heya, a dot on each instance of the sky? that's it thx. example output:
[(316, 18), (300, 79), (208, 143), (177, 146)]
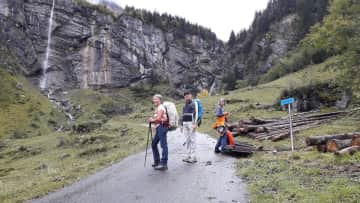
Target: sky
[(221, 16)]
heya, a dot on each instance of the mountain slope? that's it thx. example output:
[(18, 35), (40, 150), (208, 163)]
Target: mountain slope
[(273, 33)]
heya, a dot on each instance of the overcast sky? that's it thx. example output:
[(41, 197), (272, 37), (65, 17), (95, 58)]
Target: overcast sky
[(221, 16)]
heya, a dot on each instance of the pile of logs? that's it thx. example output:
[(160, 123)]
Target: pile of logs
[(347, 143), (240, 148), (278, 129)]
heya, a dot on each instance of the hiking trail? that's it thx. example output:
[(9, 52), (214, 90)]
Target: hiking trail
[(212, 179)]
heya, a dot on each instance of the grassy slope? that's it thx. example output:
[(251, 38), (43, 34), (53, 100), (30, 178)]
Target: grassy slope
[(308, 176), (23, 108), (45, 167), (35, 164), (266, 94)]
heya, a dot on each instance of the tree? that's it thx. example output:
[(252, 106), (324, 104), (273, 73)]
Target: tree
[(232, 39), (340, 35)]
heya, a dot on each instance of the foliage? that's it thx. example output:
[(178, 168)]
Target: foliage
[(314, 95), (180, 27), (232, 39), (340, 34), (229, 80), (295, 61), (99, 7)]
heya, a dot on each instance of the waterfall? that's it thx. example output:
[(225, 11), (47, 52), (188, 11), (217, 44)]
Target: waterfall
[(43, 81), (212, 88)]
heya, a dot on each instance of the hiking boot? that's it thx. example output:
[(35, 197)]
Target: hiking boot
[(154, 165), (187, 160), (217, 151), (161, 167)]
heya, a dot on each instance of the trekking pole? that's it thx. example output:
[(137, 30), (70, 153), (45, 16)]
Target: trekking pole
[(147, 142)]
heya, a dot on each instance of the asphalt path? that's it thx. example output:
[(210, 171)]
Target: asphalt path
[(212, 179)]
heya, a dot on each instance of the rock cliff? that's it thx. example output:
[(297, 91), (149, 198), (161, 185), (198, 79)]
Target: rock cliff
[(93, 47)]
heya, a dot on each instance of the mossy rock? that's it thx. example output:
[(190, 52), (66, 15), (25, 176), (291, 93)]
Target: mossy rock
[(87, 127), (112, 109), (93, 151), (19, 134)]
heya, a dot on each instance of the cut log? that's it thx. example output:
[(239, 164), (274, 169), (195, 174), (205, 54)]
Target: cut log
[(336, 145), (241, 130), (280, 136), (278, 128), (349, 150), (317, 140), (355, 141), (236, 134), (321, 148), (257, 121), (261, 130)]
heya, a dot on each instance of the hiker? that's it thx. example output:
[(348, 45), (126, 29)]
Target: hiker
[(160, 123), (189, 127), (221, 115), (225, 139)]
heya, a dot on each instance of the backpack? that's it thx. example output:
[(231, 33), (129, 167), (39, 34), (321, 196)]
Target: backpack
[(172, 115), (199, 109)]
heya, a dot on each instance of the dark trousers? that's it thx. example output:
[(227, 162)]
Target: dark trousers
[(222, 142), (160, 136)]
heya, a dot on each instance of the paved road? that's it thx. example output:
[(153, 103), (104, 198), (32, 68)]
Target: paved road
[(129, 181)]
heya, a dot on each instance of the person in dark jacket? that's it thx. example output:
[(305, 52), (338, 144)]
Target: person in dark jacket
[(189, 126)]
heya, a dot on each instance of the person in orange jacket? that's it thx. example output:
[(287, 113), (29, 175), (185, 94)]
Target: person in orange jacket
[(221, 115)]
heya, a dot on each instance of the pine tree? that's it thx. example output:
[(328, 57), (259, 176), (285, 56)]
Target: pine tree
[(232, 39)]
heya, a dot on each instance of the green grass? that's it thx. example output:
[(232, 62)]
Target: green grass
[(23, 109), (41, 160), (44, 166)]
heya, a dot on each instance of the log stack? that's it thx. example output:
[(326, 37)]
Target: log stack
[(346, 143), (240, 148), (278, 128)]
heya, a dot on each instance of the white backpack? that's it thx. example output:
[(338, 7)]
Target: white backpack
[(172, 115)]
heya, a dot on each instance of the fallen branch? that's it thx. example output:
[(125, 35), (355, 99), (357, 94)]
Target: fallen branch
[(349, 150)]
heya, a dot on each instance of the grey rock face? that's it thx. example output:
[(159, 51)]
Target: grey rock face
[(266, 50), (92, 49)]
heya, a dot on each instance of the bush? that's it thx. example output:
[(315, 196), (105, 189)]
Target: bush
[(314, 95), (87, 127), (295, 62), (112, 109), (19, 134)]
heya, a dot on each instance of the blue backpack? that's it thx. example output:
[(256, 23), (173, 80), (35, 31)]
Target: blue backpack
[(199, 108)]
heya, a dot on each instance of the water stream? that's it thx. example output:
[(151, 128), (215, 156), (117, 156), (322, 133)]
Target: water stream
[(44, 78), (212, 88)]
